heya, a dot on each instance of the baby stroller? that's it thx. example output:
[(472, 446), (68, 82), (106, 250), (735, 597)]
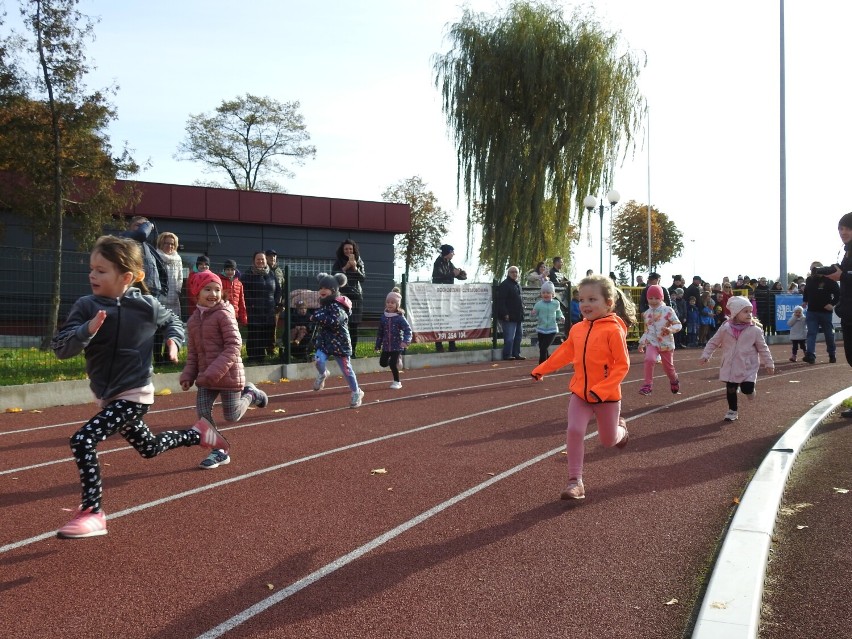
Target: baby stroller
[(302, 329)]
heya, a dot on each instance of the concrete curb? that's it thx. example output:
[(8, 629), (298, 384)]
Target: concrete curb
[(70, 393), (731, 606)]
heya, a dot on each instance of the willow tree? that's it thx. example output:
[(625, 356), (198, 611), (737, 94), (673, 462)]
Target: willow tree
[(539, 108)]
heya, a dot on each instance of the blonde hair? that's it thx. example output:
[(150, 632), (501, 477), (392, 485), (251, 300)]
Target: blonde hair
[(167, 235), (619, 302)]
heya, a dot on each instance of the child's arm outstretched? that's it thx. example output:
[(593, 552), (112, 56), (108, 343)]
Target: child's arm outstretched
[(77, 331), (562, 356)]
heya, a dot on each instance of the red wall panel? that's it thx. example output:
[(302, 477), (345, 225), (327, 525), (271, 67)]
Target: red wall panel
[(255, 207), (286, 209), (344, 214), (156, 200), (316, 211), (188, 202), (371, 215), (223, 205), (397, 218)]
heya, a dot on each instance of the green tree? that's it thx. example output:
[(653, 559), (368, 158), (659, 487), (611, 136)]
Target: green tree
[(539, 108), (53, 148), (630, 237), (428, 222), (246, 138)]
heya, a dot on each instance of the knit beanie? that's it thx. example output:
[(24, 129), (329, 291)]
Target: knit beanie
[(736, 304), (548, 287), (201, 279), (655, 292), (230, 264), (332, 282), (446, 249), (202, 259), (393, 296)]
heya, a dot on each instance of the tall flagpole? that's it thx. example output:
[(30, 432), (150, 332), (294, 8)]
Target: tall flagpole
[(783, 178), (648, 112)]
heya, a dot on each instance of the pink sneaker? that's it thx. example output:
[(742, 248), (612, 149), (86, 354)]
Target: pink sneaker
[(645, 390), (84, 524), (210, 437), (574, 490)]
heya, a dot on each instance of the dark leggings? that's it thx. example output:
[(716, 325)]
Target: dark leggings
[(746, 387), (125, 418), (353, 336), (544, 342), (390, 358)]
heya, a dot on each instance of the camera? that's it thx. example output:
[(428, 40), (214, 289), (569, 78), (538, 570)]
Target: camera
[(825, 270)]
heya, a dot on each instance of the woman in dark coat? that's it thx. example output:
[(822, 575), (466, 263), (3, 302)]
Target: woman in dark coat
[(350, 264), (262, 293)]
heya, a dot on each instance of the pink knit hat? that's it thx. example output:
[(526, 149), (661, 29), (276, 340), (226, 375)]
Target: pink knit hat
[(655, 292), (202, 279)]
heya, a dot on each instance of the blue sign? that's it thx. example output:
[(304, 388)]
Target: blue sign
[(784, 305)]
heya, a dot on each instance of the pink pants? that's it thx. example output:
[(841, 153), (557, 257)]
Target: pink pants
[(580, 413), (667, 359)]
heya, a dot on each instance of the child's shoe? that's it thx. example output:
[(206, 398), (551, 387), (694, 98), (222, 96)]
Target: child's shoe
[(319, 382), (357, 396), (623, 441), (675, 386), (574, 489), (731, 416), (261, 399), (793, 359), (396, 385), (210, 437), (645, 390), (84, 524), (215, 459)]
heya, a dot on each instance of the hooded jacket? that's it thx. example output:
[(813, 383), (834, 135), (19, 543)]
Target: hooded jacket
[(213, 358), (742, 354), (118, 356), (332, 320), (598, 350)]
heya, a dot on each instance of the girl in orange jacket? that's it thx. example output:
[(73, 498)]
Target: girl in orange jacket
[(597, 347)]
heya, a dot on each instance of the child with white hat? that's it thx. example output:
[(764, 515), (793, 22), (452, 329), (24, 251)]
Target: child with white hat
[(744, 350)]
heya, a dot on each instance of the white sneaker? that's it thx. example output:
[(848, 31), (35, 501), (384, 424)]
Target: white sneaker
[(396, 385), (731, 416), (357, 396), (319, 382)]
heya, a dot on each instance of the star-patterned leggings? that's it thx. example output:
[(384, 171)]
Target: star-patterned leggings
[(125, 418)]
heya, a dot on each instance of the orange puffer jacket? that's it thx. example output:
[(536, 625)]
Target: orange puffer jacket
[(213, 358), (598, 350)]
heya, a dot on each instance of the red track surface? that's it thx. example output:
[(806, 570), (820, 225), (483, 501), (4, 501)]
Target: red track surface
[(464, 536)]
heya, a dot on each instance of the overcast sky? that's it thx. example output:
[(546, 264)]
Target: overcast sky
[(363, 73)]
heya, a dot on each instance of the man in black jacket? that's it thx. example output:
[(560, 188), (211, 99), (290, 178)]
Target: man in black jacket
[(843, 275), (445, 272), (820, 297), (510, 312)]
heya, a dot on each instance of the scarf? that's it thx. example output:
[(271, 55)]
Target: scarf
[(737, 328)]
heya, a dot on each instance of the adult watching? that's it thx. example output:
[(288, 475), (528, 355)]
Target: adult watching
[(445, 272), (348, 261), (510, 311), (820, 297), (262, 293), (843, 275)]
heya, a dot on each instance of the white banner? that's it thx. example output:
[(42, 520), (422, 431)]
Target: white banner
[(439, 312)]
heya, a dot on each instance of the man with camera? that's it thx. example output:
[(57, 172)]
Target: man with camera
[(820, 297), (842, 273)]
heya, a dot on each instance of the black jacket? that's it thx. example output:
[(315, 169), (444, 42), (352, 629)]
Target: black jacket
[(820, 291), (844, 306), (509, 301)]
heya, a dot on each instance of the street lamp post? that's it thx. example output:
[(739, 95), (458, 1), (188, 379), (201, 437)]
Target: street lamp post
[(591, 202)]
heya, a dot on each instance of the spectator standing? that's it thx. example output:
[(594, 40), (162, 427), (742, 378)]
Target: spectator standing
[(276, 269), (262, 294), (538, 276), (693, 322), (820, 297), (694, 289), (843, 275), (510, 311), (232, 291), (348, 261), (679, 306), (167, 246), (445, 272), (555, 273), (763, 297)]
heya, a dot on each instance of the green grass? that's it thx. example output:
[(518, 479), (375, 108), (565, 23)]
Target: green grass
[(33, 366)]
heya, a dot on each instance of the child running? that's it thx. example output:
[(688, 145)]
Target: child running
[(744, 350), (393, 336), (213, 361), (548, 313), (332, 337), (657, 342), (597, 347), (798, 332), (115, 328)]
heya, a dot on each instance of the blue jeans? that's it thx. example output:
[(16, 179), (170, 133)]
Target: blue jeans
[(345, 364), (816, 320), (512, 334)]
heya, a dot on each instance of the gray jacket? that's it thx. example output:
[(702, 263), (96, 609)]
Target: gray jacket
[(118, 356)]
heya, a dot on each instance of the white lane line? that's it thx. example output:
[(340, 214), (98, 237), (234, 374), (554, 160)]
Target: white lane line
[(292, 462), (276, 420), (157, 411)]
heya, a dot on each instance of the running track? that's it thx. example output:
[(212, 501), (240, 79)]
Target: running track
[(463, 536)]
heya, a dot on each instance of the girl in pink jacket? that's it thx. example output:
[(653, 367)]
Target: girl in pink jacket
[(744, 350), (213, 361)]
